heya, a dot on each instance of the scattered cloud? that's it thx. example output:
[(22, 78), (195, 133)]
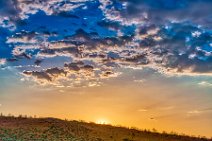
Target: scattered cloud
[(194, 112), (140, 81), (3, 61), (97, 37), (173, 10), (205, 84), (155, 107), (198, 112)]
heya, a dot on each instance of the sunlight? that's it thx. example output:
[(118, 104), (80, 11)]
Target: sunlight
[(102, 121)]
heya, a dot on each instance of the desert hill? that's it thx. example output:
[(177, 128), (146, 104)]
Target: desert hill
[(51, 129)]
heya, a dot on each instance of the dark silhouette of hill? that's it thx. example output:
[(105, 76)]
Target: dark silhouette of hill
[(51, 129)]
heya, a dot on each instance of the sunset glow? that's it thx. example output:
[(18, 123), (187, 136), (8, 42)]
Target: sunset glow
[(102, 121)]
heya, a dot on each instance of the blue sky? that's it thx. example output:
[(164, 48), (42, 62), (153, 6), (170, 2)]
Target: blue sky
[(169, 36)]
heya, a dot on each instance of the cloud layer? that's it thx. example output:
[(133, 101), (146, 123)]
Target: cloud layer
[(88, 40)]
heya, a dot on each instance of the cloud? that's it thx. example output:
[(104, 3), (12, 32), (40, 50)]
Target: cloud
[(8, 12), (3, 61), (173, 10), (140, 81), (97, 37), (205, 84), (75, 73), (155, 107), (198, 112), (194, 112), (23, 37), (112, 11), (50, 7), (48, 74), (6, 22), (105, 55), (38, 75)]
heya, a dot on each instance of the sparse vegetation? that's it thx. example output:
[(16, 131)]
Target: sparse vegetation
[(50, 129)]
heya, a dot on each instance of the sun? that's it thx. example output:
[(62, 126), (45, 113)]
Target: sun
[(102, 121)]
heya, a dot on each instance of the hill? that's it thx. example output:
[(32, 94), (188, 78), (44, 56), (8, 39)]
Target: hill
[(51, 129)]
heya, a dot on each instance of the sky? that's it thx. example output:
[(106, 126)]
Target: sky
[(135, 63)]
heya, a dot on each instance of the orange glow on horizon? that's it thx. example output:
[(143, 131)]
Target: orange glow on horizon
[(102, 121)]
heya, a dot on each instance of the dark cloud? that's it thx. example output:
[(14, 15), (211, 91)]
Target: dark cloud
[(8, 8), (196, 11), (38, 75), (48, 74)]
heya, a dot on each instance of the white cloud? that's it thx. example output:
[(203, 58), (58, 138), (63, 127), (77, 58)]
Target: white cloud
[(6, 22), (3, 61), (115, 15), (205, 84), (196, 34), (194, 112), (140, 81), (48, 6)]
